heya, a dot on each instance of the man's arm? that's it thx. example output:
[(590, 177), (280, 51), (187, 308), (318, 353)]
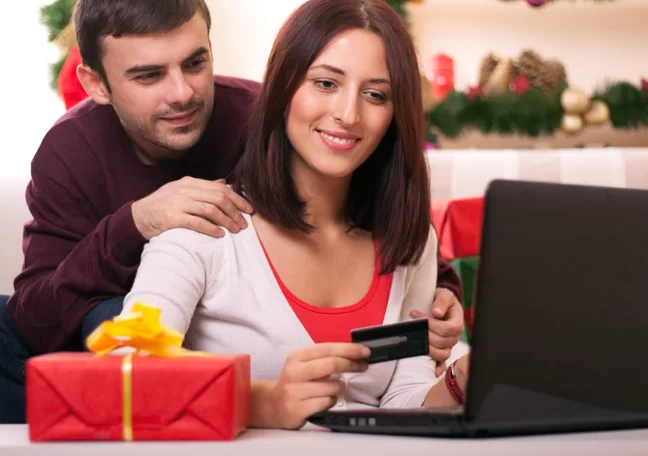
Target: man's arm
[(447, 278), (73, 259), (77, 256)]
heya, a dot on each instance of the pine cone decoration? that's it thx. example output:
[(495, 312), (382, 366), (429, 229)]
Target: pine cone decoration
[(487, 67), (551, 78), (556, 71), (530, 64), (545, 75)]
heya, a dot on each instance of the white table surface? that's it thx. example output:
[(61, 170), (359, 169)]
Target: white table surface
[(312, 441)]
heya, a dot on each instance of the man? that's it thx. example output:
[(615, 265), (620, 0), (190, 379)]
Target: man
[(146, 153)]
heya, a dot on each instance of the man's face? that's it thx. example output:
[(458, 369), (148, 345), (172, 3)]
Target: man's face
[(162, 88)]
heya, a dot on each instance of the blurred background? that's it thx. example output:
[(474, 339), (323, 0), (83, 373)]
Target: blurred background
[(479, 59)]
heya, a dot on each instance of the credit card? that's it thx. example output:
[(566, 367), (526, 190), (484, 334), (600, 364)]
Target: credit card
[(395, 341)]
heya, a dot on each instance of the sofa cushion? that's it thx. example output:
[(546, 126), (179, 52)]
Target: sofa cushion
[(14, 216)]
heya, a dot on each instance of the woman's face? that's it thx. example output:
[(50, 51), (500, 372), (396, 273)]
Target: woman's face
[(343, 108)]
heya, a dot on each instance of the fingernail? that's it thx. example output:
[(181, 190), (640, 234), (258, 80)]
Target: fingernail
[(244, 223), (366, 351)]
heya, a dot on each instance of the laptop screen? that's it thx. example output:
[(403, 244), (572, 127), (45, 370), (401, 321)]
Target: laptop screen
[(561, 323)]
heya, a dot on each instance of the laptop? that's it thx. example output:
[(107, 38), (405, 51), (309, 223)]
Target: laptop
[(560, 339)]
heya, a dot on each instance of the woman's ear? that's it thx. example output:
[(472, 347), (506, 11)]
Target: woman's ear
[(93, 84)]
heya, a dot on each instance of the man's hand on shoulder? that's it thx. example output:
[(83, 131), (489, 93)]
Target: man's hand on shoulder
[(196, 204)]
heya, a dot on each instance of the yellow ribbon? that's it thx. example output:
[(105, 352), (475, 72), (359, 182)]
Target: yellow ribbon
[(127, 398), (141, 330)]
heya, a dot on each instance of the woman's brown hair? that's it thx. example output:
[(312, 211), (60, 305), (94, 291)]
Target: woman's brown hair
[(389, 194)]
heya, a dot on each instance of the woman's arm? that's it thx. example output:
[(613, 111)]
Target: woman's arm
[(173, 274)]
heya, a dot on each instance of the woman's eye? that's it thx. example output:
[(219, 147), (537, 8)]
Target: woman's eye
[(324, 84), (376, 96)]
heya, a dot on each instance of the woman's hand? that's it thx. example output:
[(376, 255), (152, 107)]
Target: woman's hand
[(306, 386)]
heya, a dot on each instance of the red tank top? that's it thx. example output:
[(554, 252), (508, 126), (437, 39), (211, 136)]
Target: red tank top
[(335, 325)]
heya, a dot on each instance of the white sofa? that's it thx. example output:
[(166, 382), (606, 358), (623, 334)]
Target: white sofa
[(14, 216)]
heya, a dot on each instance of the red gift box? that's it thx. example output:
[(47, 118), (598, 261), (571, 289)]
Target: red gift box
[(458, 224), (79, 396)]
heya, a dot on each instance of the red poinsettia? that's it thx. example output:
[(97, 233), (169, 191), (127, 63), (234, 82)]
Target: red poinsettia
[(475, 92), (520, 85)]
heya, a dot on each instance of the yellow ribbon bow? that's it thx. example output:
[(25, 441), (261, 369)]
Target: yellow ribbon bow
[(141, 330)]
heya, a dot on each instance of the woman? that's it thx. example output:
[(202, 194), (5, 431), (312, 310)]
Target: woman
[(341, 236)]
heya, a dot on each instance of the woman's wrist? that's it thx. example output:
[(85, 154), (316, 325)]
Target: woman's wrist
[(262, 413), (454, 384), (439, 396), (449, 391)]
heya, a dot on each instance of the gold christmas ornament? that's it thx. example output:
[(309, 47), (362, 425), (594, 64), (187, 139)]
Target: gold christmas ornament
[(571, 123), (500, 79), (597, 114), (574, 101)]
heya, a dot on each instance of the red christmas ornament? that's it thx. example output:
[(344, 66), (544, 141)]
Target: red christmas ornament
[(69, 86), (520, 85), (475, 92), (644, 84), (441, 75)]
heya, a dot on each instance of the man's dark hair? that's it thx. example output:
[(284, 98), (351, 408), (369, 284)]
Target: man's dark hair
[(96, 19)]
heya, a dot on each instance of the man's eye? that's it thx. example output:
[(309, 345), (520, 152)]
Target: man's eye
[(197, 63), (147, 77)]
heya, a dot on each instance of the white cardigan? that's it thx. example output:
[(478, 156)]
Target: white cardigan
[(223, 295)]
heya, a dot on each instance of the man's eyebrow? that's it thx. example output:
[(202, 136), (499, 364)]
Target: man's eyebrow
[(149, 68), (339, 71), (143, 69)]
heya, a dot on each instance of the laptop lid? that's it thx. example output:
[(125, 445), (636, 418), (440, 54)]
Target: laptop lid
[(561, 323)]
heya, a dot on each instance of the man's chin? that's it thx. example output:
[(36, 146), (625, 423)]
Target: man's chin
[(179, 144)]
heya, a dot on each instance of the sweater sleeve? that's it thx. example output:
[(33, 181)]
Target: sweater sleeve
[(173, 275), (413, 377), (447, 278), (72, 259)]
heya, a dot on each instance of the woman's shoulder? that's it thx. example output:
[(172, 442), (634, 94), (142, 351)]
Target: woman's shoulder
[(186, 237), (195, 240)]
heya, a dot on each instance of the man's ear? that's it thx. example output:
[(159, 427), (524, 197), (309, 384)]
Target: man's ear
[(93, 85)]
